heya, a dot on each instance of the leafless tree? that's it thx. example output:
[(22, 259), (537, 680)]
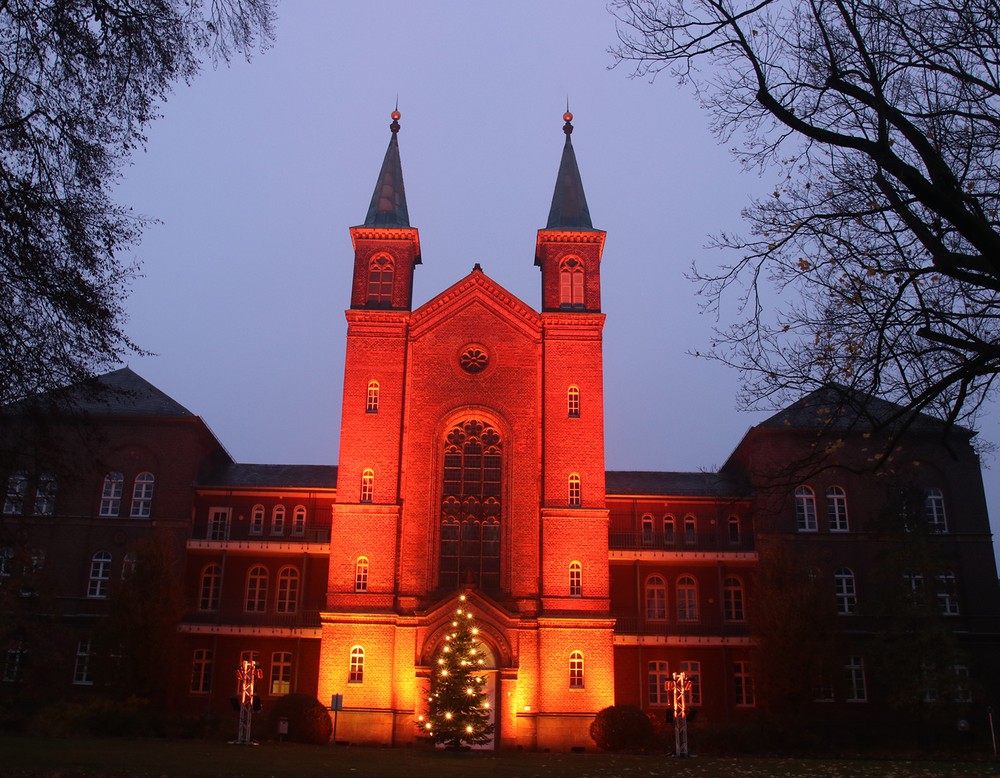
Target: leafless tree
[(80, 81), (875, 262)]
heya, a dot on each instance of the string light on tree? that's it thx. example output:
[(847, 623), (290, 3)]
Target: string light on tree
[(458, 707)]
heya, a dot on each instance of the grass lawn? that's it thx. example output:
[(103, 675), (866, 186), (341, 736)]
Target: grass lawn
[(66, 757)]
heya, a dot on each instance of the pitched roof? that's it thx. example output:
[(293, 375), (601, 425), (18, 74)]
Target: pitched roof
[(835, 406), (388, 205), (645, 482), (273, 476), (569, 209)]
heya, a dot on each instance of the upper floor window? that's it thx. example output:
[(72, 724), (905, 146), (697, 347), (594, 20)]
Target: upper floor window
[(647, 530), (357, 670), (371, 403), (380, 275), (299, 520), (668, 529), (656, 597), (693, 672), (288, 590), (256, 600), (361, 574), (17, 486), (281, 672), (278, 520), (211, 588), (142, 495), (111, 494), (687, 599), (257, 520), (690, 530), (805, 509), (573, 402), (218, 524), (934, 510), (45, 495), (367, 485), (576, 670), (100, 574), (732, 594), (845, 591), (657, 675), (734, 530), (575, 579), (571, 283), (947, 594), (574, 490), (836, 509)]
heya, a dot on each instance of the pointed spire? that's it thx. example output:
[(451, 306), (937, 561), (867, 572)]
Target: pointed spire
[(569, 204), (388, 206)]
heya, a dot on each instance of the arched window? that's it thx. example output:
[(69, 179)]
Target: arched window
[(100, 574), (656, 597), (367, 485), (380, 275), (256, 601), (668, 529), (129, 564), (732, 595), (575, 579), (574, 490), (576, 670), (934, 510), (687, 599), (805, 509), (17, 486), (278, 520), (142, 495), (647, 529), (257, 520), (281, 673), (299, 520), (471, 509), (573, 402), (571, 283), (45, 495), (111, 494), (836, 509), (211, 588), (371, 404), (845, 591), (357, 671), (734, 530), (361, 574), (288, 590), (690, 530)]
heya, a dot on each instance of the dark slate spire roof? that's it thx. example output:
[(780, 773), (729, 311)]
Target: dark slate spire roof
[(569, 209), (388, 206)]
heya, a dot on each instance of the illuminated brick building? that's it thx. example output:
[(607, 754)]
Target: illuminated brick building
[(472, 462)]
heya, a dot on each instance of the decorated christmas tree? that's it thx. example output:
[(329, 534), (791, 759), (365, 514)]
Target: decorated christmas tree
[(458, 707)]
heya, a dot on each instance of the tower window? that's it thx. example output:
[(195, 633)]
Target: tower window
[(575, 579), (576, 670), (357, 671), (380, 276), (361, 574), (367, 485), (371, 404), (574, 490), (573, 402), (571, 283)]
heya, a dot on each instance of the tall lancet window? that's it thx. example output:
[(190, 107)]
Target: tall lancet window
[(571, 283), (380, 273), (470, 507)]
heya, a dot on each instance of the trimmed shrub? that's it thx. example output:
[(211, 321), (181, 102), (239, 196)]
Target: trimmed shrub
[(621, 728), (308, 719)]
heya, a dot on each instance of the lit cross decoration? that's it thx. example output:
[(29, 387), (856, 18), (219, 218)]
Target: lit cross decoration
[(680, 686)]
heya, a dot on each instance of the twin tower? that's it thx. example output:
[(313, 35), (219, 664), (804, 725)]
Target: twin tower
[(472, 464)]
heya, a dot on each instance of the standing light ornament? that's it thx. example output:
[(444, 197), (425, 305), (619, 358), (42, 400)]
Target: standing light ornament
[(680, 686), (246, 675), (458, 705)]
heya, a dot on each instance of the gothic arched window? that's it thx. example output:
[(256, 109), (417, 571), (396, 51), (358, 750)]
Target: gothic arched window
[(380, 275), (571, 283), (470, 506)]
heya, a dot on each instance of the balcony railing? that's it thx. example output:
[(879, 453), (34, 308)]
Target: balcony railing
[(224, 534), (660, 541), (233, 617)]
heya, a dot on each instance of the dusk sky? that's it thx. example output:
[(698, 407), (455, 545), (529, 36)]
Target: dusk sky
[(256, 172)]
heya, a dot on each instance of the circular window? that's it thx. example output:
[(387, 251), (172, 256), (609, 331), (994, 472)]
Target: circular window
[(474, 359)]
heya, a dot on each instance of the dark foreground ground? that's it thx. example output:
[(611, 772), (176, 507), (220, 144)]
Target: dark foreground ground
[(31, 757)]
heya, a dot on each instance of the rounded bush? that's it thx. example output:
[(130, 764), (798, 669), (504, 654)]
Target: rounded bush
[(621, 728), (308, 719)]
